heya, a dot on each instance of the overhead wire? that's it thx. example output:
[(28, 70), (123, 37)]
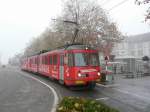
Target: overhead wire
[(117, 5), (104, 2)]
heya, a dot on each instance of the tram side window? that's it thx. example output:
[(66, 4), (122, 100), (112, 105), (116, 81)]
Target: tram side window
[(43, 60), (30, 61), (36, 60), (55, 60), (70, 59), (94, 59), (46, 60), (50, 60), (33, 61), (61, 60)]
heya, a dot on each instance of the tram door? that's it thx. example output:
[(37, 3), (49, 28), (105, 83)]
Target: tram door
[(61, 69)]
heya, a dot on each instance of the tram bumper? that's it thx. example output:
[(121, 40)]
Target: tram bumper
[(81, 81)]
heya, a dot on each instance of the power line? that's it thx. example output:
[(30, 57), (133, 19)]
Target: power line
[(104, 2), (117, 5), (72, 22)]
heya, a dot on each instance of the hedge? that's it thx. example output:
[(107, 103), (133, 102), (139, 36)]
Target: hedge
[(76, 104)]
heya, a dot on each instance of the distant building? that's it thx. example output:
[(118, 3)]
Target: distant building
[(136, 46)]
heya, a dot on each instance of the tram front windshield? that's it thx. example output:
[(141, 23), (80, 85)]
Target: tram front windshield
[(86, 59)]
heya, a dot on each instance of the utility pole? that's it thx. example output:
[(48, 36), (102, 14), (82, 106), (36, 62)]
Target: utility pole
[(76, 28)]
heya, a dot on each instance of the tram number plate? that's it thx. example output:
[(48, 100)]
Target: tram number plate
[(80, 82)]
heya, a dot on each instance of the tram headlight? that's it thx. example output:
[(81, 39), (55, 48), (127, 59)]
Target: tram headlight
[(79, 75), (98, 73)]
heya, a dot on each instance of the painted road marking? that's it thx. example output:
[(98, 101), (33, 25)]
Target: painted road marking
[(124, 91), (107, 86), (105, 98), (133, 94), (56, 99)]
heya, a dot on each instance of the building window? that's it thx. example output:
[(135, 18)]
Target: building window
[(140, 53), (132, 53)]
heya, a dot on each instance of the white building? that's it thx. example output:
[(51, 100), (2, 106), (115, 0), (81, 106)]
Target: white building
[(136, 46)]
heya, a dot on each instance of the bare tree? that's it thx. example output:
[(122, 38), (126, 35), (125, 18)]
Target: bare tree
[(34, 46), (139, 2), (93, 25), (48, 40), (83, 19), (15, 60)]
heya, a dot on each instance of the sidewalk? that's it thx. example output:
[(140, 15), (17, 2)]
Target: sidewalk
[(134, 87)]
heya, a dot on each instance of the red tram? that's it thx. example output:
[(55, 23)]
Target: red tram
[(71, 65)]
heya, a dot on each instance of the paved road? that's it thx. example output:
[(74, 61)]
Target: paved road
[(114, 96), (121, 99), (23, 94)]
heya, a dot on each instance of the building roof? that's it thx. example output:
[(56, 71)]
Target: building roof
[(138, 38)]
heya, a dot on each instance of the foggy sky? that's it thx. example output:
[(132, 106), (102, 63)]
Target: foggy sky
[(21, 20)]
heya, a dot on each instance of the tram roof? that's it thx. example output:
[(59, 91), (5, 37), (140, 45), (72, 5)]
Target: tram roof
[(76, 46)]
